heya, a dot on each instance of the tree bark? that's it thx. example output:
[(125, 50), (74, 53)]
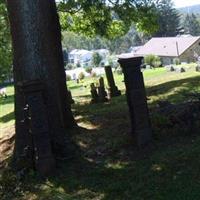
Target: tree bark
[(39, 76)]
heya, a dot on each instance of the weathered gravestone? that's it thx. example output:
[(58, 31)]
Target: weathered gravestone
[(136, 98), (38, 130), (112, 90), (170, 68), (101, 91), (94, 94), (180, 69)]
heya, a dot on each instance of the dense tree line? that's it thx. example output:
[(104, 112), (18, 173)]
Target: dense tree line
[(5, 44), (191, 24), (117, 45)]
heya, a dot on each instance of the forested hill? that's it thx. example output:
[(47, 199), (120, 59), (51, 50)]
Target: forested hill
[(191, 9)]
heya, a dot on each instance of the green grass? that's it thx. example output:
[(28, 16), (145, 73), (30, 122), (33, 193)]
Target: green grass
[(7, 109), (108, 165)]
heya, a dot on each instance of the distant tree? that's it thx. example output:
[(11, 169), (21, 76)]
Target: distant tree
[(123, 43), (72, 41), (191, 25), (5, 44), (96, 59), (152, 60), (168, 19), (81, 76), (88, 70)]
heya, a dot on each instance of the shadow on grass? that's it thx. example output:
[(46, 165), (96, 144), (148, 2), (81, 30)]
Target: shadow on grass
[(77, 86), (188, 84), (8, 117), (8, 100)]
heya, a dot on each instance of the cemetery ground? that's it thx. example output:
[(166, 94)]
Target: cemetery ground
[(106, 164)]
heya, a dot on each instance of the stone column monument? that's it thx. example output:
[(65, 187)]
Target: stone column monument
[(136, 98)]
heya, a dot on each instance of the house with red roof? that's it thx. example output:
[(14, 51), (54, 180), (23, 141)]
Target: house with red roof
[(186, 49)]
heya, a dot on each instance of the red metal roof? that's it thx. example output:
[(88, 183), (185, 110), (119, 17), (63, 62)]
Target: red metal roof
[(167, 46)]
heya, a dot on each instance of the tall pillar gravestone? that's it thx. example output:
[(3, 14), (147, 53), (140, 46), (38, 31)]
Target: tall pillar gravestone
[(136, 99), (101, 91), (35, 112), (112, 90)]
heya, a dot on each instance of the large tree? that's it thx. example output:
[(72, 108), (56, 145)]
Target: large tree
[(42, 110), (168, 19), (191, 25)]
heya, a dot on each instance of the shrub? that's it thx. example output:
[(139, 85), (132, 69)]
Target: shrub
[(78, 64), (152, 60), (93, 74), (88, 70), (96, 59), (157, 63), (176, 61), (81, 76), (69, 66), (119, 70), (68, 77)]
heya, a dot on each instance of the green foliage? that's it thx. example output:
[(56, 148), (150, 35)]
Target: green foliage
[(72, 41), (69, 66), (152, 60), (191, 25), (117, 45), (157, 62), (88, 70), (96, 59), (68, 77), (5, 44), (93, 74), (176, 61), (78, 65), (81, 76), (119, 70), (168, 19), (108, 19)]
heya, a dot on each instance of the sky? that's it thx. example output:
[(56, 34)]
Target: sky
[(183, 3)]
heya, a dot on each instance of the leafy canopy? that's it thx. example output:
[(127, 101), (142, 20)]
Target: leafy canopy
[(108, 18)]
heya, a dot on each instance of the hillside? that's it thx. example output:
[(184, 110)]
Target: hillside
[(190, 9)]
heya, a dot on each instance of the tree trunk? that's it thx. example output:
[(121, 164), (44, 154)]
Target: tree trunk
[(42, 111)]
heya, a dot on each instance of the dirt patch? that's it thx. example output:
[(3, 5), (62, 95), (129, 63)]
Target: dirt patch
[(6, 144)]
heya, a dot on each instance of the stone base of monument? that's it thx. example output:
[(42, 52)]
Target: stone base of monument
[(102, 95), (94, 94), (113, 92)]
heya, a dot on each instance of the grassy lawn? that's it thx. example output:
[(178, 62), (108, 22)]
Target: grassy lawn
[(107, 165)]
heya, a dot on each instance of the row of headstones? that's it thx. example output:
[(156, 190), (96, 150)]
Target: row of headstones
[(136, 97), (99, 94), (171, 68)]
